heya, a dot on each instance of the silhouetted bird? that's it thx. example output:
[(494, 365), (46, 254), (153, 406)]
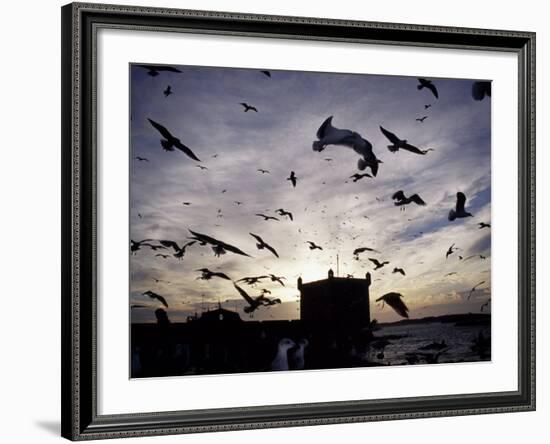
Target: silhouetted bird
[(395, 302), (421, 119), (450, 274), (360, 250), (252, 280), (136, 245), (293, 179), (399, 270), (170, 142), (156, 296), (398, 143), (313, 246), (427, 106), (207, 274), (254, 303), (484, 225), (485, 305), (278, 279), (179, 251), (330, 135), (261, 170), (282, 212), (248, 107), (141, 159), (424, 83), (266, 218), (266, 73), (167, 91), (459, 209), (155, 70), (262, 244), (474, 288), (358, 176), (377, 263), (201, 167), (400, 199), (164, 256), (186, 203), (480, 90), (218, 246), (450, 251)]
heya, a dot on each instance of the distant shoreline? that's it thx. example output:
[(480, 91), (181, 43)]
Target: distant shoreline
[(459, 319)]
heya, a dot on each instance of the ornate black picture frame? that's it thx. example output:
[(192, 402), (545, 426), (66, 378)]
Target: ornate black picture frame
[(80, 23)]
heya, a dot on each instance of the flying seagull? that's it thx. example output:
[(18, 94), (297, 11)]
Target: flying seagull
[(427, 106), (424, 83), (398, 144), (450, 274), (170, 142), (474, 288), (155, 70), (399, 270), (266, 73), (282, 212), (313, 246), (421, 119), (293, 179), (378, 263), (480, 90), (218, 246), (164, 256), (252, 280), (360, 250), (248, 107), (255, 302), (179, 251), (278, 279), (154, 295), (330, 135), (459, 210), (358, 176), (207, 274), (167, 91), (202, 167), (450, 251), (400, 199), (136, 245), (484, 225), (266, 217), (395, 302), (262, 244), (261, 170), (141, 159)]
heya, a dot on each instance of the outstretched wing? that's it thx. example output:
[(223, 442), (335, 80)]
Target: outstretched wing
[(433, 89), (394, 301), (221, 275), (258, 238), (270, 248), (460, 202), (210, 240), (170, 244), (391, 136), (244, 294), (161, 129), (398, 195), (417, 199), (154, 295), (374, 261), (412, 149), (186, 150), (324, 128)]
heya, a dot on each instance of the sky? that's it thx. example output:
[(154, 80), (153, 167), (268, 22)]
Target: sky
[(339, 215)]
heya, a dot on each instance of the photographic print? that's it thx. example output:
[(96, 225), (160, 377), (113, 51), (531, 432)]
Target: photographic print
[(290, 220)]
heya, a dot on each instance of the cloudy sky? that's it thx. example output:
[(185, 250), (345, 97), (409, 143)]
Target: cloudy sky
[(204, 112)]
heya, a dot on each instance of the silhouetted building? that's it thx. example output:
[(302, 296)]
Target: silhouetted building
[(336, 302), (220, 315)]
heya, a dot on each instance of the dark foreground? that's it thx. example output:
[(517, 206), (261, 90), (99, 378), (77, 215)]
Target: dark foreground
[(198, 348)]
